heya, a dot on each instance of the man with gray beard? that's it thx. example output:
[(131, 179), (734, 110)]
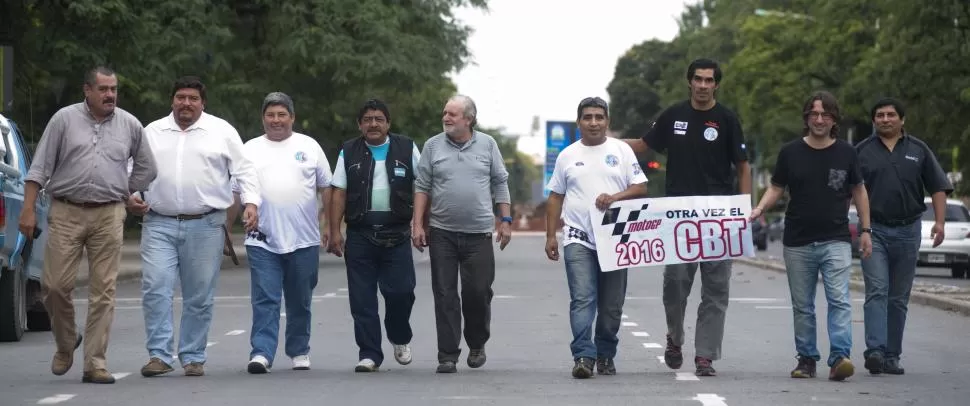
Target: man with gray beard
[(461, 172)]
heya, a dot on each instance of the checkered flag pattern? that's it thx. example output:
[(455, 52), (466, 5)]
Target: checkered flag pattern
[(613, 216), (577, 234)]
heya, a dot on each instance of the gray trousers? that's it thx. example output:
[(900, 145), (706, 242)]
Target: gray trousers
[(715, 286)]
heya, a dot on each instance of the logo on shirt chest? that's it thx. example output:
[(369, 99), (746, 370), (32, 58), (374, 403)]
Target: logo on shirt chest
[(300, 156), (612, 161), (680, 127), (710, 133)]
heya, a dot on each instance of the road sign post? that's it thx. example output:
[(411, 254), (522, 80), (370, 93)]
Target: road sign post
[(559, 134)]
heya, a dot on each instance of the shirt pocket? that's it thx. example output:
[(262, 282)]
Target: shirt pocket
[(116, 147)]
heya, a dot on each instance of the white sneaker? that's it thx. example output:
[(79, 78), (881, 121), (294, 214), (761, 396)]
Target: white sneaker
[(366, 365), (258, 365), (301, 362), (402, 353)]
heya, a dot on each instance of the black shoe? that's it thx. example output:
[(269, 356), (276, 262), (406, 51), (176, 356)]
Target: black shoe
[(476, 358), (672, 355), (605, 366), (583, 368), (446, 367), (805, 368), (891, 366), (875, 363), (705, 367)]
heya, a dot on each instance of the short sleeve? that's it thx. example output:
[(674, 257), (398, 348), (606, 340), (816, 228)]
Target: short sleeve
[(415, 156), (855, 169), (339, 179), (934, 179), (633, 173), (658, 135), (557, 182), (779, 177), (324, 175), (739, 151)]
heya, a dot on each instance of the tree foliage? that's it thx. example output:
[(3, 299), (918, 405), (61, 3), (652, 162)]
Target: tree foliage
[(329, 55), (775, 53)]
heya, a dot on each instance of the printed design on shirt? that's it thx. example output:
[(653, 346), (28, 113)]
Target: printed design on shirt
[(399, 172), (680, 125), (612, 161), (300, 156), (613, 215), (710, 134), (912, 158), (636, 168), (712, 124), (580, 163), (577, 234), (837, 178)]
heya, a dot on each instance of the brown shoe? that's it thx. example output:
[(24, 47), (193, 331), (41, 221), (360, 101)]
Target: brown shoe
[(841, 370), (97, 376), (194, 369), (62, 361), (155, 367)]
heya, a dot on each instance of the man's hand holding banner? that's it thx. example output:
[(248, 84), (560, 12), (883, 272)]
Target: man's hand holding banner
[(672, 230)]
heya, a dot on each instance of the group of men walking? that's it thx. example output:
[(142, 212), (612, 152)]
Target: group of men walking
[(189, 174), (885, 176)]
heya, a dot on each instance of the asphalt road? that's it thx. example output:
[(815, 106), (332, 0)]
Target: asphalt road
[(924, 275), (528, 357)]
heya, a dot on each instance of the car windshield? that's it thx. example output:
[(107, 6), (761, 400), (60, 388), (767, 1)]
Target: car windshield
[(954, 212)]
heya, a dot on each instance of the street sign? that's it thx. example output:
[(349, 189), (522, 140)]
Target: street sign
[(6, 78), (559, 134)]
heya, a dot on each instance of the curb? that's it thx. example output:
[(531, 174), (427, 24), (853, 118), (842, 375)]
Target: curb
[(923, 298)]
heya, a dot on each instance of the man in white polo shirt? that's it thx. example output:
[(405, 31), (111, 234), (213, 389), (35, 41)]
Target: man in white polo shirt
[(597, 170), (182, 231), (284, 251)]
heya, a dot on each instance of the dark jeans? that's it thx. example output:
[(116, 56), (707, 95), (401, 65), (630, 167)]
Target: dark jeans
[(471, 257), (374, 262), (889, 274)]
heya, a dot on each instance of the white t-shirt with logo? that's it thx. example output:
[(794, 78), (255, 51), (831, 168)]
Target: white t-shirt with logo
[(290, 173), (584, 172)]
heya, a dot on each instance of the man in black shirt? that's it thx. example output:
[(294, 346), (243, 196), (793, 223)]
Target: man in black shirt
[(821, 174), (703, 141), (897, 167)]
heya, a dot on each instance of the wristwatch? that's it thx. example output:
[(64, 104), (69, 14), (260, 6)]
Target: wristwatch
[(507, 219), (865, 230)]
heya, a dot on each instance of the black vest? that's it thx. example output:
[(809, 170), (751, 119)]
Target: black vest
[(359, 165)]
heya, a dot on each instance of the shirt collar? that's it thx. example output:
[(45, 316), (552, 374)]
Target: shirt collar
[(200, 124)]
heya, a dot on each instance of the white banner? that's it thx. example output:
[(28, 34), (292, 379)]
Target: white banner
[(672, 230)]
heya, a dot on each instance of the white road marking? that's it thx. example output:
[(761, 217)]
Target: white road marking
[(331, 294), (211, 343), (342, 290), (709, 399), (652, 345), (640, 334), (772, 307), (687, 376), (235, 332), (629, 324), (624, 317), (120, 375), (661, 359), (755, 299), (504, 297), (53, 400), (282, 314)]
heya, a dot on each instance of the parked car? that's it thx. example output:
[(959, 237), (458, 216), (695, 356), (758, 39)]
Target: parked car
[(21, 260), (954, 252), (854, 230)]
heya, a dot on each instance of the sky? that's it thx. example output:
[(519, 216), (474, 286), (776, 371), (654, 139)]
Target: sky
[(541, 57)]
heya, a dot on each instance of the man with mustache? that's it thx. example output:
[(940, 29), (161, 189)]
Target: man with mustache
[(184, 213), (461, 173), (821, 174), (705, 157), (374, 187), (82, 162), (897, 168), (284, 251)]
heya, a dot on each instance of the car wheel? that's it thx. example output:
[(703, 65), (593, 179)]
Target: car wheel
[(958, 272), (13, 311)]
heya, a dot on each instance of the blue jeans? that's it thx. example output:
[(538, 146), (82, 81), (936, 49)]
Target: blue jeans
[(191, 252), (291, 276), (391, 269), (889, 274), (590, 292), (833, 259)]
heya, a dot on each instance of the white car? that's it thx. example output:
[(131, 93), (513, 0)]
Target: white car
[(954, 252)]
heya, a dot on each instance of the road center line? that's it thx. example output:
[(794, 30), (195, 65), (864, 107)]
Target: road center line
[(53, 400), (640, 334), (687, 376), (709, 399), (120, 375), (235, 332), (772, 307), (211, 343), (661, 359), (629, 324), (652, 345)]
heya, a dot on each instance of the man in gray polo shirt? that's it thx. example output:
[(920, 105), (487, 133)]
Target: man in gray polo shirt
[(82, 162), (461, 172)]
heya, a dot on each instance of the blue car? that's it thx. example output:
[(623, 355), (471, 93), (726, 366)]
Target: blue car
[(21, 259)]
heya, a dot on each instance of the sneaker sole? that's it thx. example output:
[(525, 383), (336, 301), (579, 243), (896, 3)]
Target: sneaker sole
[(301, 368), (842, 372), (403, 361), (361, 368), (256, 368), (149, 374), (582, 373)]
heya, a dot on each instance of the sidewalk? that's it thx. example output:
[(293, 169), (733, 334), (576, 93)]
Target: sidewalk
[(958, 302)]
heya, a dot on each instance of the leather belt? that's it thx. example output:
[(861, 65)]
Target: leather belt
[(85, 204), (895, 222), (182, 217)]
